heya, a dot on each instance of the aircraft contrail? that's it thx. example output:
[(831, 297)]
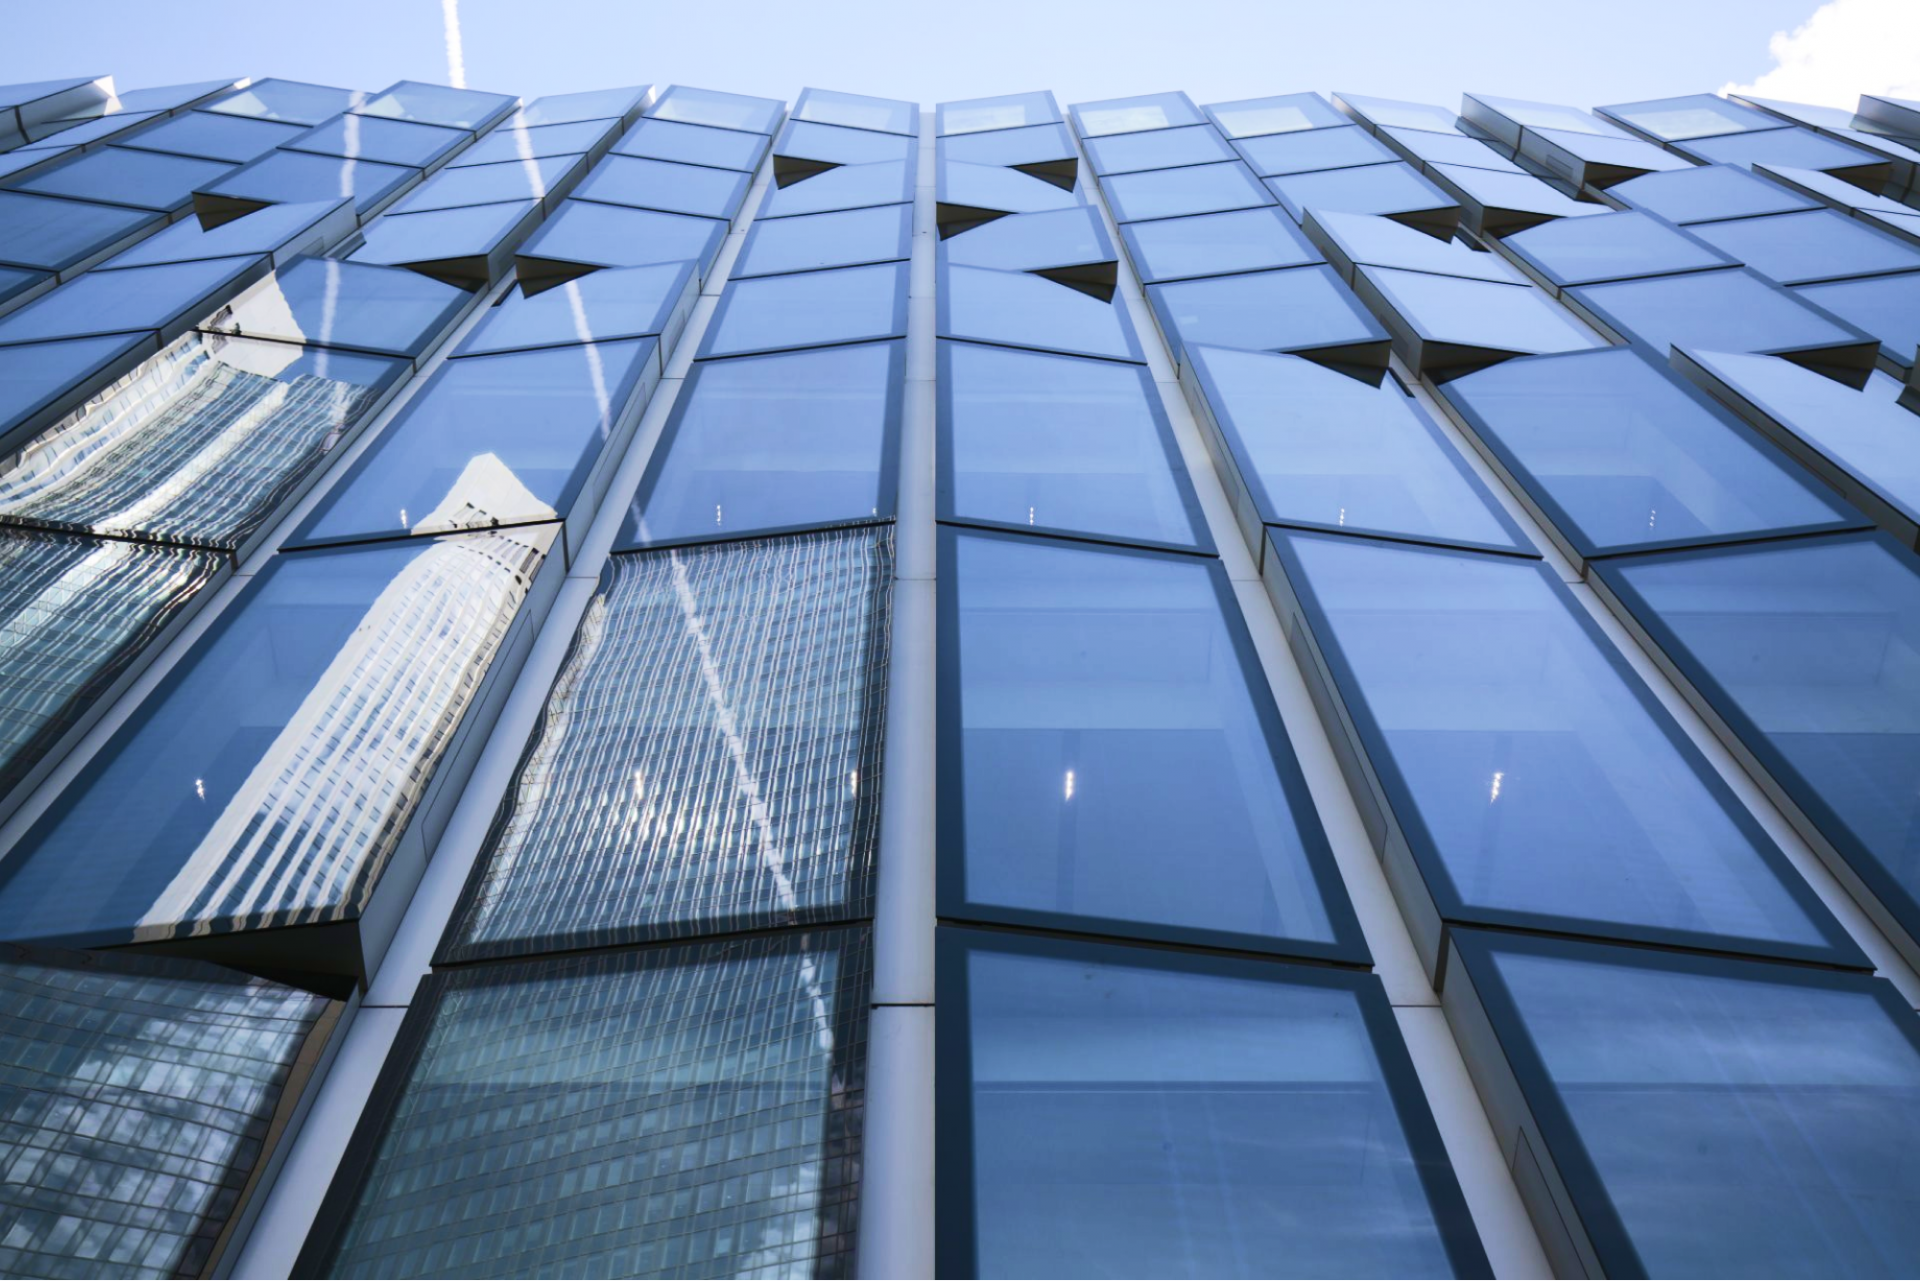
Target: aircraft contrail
[(456, 59)]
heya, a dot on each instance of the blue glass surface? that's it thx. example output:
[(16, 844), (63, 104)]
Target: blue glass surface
[(15, 281), (1029, 242), (1129, 115), (1717, 191), (1312, 149), (434, 104), (504, 143), (857, 111), (1158, 149), (1300, 309), (1287, 113), (139, 298), (615, 236), (1616, 246), (121, 176), (809, 309), (1384, 113), (847, 187), (1036, 144), (46, 234), (291, 229), (1009, 111), (693, 144), (1196, 189), (621, 302), (1450, 149), (298, 175), (1443, 315), (849, 238), (1019, 309), (1394, 190), (1821, 244), (344, 304), (1802, 148), (590, 104), (808, 140), (774, 442), (1035, 440), (289, 100), (1888, 307), (370, 137), (1118, 764), (33, 377), (1216, 245), (998, 188), (236, 139), (457, 241), (1728, 310), (1699, 115), (664, 185), (720, 110), (493, 184), (1368, 240)]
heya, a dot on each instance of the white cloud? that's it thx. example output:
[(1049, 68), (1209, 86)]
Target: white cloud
[(1844, 49)]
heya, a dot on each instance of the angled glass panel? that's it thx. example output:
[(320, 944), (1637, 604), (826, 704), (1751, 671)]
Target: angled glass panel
[(720, 110), (845, 187), (771, 443), (1383, 113), (1030, 242), (74, 613), (693, 145), (1799, 147), (1036, 144), (1300, 309), (270, 779), (200, 445), (276, 229), (1311, 446), (167, 97), (1158, 149), (139, 298), (592, 104), (1820, 244), (1807, 650), (622, 302), (290, 101), (857, 111), (664, 185), (344, 304), (709, 756), (1625, 457), (15, 281), (489, 441), (34, 377), (1506, 117), (1829, 190), (1492, 709), (1009, 111), (146, 1094), (1697, 115), (1714, 191), (1368, 240), (1614, 246), (298, 175), (121, 176), (67, 133), (1130, 115), (1451, 149), (1394, 190), (235, 139), (1712, 1116), (810, 309), (1103, 708), (849, 238), (1287, 113), (1594, 159), (1495, 203), (1196, 189), (505, 144), (369, 137), (1215, 244), (809, 140), (52, 235), (453, 244), (651, 1080), (1729, 310), (1031, 440), (1888, 307), (1312, 149), (614, 236), (1019, 309), (431, 104), (998, 188), (491, 184), (1446, 323), (1128, 1110)]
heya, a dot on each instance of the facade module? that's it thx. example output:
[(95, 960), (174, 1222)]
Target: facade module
[(662, 683)]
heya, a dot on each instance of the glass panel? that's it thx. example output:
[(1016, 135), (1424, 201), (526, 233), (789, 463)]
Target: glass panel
[(1128, 115), (1374, 189), (291, 101), (74, 612), (1719, 310), (1392, 112), (344, 304), (268, 781), (1584, 158), (66, 133), (1489, 195), (1105, 716), (772, 443), (144, 1093), (1315, 447), (200, 444), (1888, 307), (1138, 1112), (661, 184), (1541, 115), (652, 1081), (368, 137), (850, 238), (264, 231), (693, 145), (504, 144), (1695, 195), (1193, 190), (699, 764), (1697, 115), (1076, 446), (1623, 456), (1216, 244), (1035, 145), (17, 280), (1493, 709), (809, 141), (167, 97), (53, 235), (439, 105), (117, 176), (721, 110), (1720, 1116), (623, 302), (847, 187), (33, 377), (1448, 311), (1300, 309), (1158, 149), (1450, 148), (1799, 147), (1028, 242), (1578, 251), (1019, 309), (1000, 188), (1818, 245), (592, 104), (299, 175), (1368, 240), (809, 309), (462, 454), (1312, 149), (1285, 114), (235, 139), (139, 298), (1837, 192), (1010, 111), (615, 236), (442, 235), (857, 111), (489, 184)]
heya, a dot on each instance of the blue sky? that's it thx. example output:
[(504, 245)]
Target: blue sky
[(1579, 52)]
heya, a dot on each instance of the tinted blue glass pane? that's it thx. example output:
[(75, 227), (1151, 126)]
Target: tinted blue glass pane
[(1288, 113), (1799, 147), (847, 187), (693, 144), (1394, 190), (592, 104), (1888, 307), (1809, 649), (489, 184), (62, 134), (345, 304), (1484, 316), (139, 298), (1216, 244), (1631, 458), (235, 139), (438, 105), (368, 137), (844, 239), (1137, 1115), (1821, 244), (1733, 1112), (615, 236), (1054, 442), (720, 110), (458, 241), (1129, 115), (1034, 145), (52, 235), (1368, 240), (994, 187), (1106, 716), (33, 377), (661, 184), (1696, 195), (1313, 149), (857, 111), (1395, 113), (1302, 309), (1023, 310), (774, 442), (1729, 310), (291, 100), (806, 140), (1579, 251), (1698, 115), (115, 176), (505, 144), (1027, 242), (1495, 202), (622, 302), (462, 455), (1546, 784), (1196, 189), (273, 775), (1009, 111), (286, 229), (15, 281), (300, 175), (809, 309), (1450, 149), (1315, 447), (1158, 149)]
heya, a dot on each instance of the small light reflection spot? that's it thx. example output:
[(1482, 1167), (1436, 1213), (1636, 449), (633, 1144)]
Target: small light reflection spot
[(200, 788), (1069, 784), (1494, 795)]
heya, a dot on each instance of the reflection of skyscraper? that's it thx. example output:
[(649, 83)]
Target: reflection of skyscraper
[(306, 834)]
